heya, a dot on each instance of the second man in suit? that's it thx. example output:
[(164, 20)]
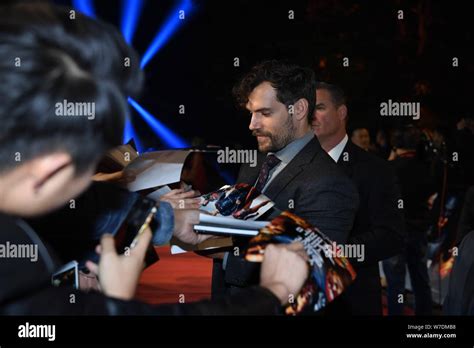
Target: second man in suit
[(378, 224)]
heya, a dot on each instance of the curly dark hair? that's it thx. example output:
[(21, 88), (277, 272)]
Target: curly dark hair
[(292, 82)]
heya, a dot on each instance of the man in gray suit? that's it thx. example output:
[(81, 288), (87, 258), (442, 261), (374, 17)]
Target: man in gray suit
[(292, 168)]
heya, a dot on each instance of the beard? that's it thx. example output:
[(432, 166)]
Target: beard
[(273, 142)]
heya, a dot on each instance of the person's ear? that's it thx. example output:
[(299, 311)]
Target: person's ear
[(300, 109), (342, 112), (47, 166)]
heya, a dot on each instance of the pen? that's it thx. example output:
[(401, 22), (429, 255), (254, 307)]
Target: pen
[(143, 228)]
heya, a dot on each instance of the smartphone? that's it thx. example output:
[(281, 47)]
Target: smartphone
[(67, 275), (141, 216)]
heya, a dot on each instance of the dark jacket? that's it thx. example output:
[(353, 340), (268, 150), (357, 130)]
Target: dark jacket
[(466, 220), (312, 187), (416, 186), (460, 298), (378, 226), (26, 288)]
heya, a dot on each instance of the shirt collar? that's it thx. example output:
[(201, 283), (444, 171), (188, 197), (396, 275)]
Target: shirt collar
[(291, 150), (336, 151)]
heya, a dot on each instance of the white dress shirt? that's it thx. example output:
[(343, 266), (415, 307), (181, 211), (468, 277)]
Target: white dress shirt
[(336, 151)]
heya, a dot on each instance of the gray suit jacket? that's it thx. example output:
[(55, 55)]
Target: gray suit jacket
[(311, 186)]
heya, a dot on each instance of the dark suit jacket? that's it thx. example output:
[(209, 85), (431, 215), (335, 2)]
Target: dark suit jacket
[(466, 221), (460, 298), (378, 226), (312, 187)]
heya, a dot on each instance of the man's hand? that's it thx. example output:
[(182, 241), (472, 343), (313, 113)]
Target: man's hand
[(88, 282), (184, 221), (284, 270), (119, 274), (182, 199)]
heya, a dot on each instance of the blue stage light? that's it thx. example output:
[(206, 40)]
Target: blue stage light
[(164, 34), (164, 133), (131, 10), (128, 132), (84, 6)]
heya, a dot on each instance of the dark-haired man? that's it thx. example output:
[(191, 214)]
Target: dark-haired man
[(378, 224), (361, 138), (292, 169), (47, 158)]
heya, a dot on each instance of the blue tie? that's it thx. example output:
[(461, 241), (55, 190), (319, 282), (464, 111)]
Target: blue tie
[(270, 162)]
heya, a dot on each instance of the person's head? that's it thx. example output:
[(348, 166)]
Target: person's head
[(65, 78), (330, 117), (465, 122), (407, 138), (381, 138), (361, 137), (280, 99)]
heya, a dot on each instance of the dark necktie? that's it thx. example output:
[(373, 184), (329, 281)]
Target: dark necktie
[(270, 162)]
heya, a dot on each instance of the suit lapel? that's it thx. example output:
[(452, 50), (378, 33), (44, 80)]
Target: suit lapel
[(249, 174), (304, 157), (347, 166)]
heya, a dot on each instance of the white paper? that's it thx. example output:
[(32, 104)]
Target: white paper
[(225, 230), (205, 219), (158, 168), (177, 250)]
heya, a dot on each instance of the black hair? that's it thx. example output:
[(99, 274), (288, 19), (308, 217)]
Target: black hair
[(337, 94), (291, 82), (51, 55)]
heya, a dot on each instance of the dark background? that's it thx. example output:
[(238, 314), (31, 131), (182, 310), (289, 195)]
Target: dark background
[(403, 60)]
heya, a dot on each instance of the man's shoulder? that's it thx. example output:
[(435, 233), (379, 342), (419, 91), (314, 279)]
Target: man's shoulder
[(323, 165), (365, 161), (323, 173)]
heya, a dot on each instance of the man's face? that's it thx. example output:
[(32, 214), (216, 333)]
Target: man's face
[(361, 138), (271, 122), (326, 121)]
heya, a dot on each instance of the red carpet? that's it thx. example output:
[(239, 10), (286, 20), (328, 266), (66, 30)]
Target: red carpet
[(185, 274)]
